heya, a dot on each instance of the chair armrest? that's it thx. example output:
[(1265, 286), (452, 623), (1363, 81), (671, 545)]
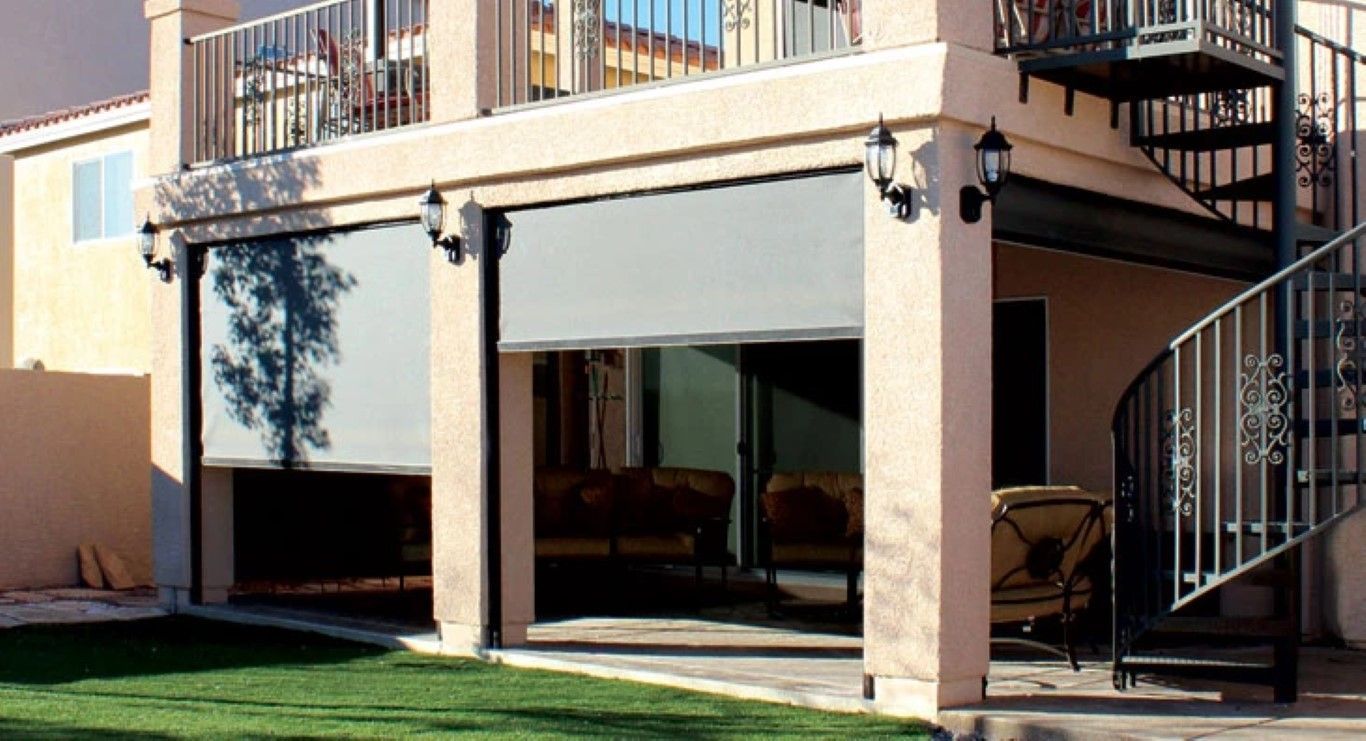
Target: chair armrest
[(709, 536)]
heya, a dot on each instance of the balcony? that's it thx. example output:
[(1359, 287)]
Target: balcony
[(551, 50), (345, 67), (1126, 50), (331, 70)]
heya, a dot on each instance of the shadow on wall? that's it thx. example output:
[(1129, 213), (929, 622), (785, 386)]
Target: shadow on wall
[(271, 274), (281, 295)]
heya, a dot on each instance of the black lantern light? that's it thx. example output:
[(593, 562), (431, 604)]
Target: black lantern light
[(432, 211), (993, 170), (147, 247), (880, 160)]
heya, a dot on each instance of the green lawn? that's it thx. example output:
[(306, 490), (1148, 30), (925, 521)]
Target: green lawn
[(187, 677)]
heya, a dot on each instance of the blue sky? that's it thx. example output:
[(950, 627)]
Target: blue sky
[(629, 9)]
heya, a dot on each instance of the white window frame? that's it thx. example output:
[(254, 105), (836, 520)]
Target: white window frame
[(71, 212)]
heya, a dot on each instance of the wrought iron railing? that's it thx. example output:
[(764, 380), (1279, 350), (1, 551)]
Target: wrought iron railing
[(326, 71), (1042, 26), (1243, 438), (1217, 145), (548, 50)]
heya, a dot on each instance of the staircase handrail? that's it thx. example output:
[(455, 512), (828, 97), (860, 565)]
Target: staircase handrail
[(1336, 47), (1279, 276)]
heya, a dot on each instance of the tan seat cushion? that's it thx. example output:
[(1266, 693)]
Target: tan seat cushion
[(1039, 537), (573, 547), (836, 484), (828, 555), (670, 546)]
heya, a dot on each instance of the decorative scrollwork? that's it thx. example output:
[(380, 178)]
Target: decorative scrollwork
[(587, 28), (1230, 107), (1163, 14), (734, 11), (1315, 144), (1351, 316), (1178, 459), (1263, 421)]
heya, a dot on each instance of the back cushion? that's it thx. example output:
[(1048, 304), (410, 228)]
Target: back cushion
[(805, 514)]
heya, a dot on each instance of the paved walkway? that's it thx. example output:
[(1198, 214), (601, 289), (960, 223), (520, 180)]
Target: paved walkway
[(65, 606)]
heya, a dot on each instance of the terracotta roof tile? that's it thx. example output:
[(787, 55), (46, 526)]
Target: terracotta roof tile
[(52, 118)]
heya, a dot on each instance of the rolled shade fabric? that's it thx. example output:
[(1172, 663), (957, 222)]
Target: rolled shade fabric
[(315, 352), (772, 260)]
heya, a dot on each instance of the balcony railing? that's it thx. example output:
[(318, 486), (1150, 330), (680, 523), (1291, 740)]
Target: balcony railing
[(329, 70), (1041, 26), (556, 49)]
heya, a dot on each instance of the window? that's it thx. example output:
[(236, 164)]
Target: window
[(102, 197)]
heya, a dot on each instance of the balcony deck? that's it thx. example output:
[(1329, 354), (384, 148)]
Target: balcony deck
[(1141, 51)]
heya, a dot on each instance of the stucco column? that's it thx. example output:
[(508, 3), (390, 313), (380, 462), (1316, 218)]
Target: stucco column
[(927, 355), (6, 261), (217, 528), (889, 23), (172, 21), (517, 463), (462, 66)]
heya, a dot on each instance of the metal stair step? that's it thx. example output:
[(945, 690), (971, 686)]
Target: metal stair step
[(1348, 427), (1314, 234), (1258, 188), (1327, 378), (1213, 139), (1278, 528), (1250, 627), (1320, 280), (1322, 329), (1324, 476)]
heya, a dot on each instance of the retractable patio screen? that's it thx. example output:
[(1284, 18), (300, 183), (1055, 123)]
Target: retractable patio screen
[(772, 260), (315, 352)]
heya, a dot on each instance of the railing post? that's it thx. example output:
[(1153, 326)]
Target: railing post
[(172, 73), (1283, 150)]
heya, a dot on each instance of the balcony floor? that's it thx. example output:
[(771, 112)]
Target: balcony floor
[(1154, 71)]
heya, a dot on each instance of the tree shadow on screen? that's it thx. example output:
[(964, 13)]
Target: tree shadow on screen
[(282, 297)]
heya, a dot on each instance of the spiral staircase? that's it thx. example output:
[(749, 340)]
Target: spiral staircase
[(1246, 436)]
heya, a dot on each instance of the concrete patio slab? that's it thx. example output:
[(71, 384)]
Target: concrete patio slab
[(64, 606)]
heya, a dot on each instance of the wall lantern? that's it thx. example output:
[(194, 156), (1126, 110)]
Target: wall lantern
[(147, 246), (433, 213), (993, 170), (880, 159)]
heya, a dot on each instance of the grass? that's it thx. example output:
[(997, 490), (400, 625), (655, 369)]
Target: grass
[(176, 677)]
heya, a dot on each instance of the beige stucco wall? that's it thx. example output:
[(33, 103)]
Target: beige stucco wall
[(1106, 320), (75, 452), (6, 261), (77, 306)]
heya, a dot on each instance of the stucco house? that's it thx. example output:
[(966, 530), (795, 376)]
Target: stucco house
[(415, 266)]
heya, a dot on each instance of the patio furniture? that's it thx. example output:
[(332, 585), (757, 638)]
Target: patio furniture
[(1042, 538), (812, 521), (674, 516)]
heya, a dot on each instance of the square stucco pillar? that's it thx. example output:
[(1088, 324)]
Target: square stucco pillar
[(461, 436), (6, 261), (891, 23), (927, 354), (216, 516), (462, 62), (172, 21)]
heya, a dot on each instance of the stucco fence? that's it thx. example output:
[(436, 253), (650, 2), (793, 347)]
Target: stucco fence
[(74, 462)]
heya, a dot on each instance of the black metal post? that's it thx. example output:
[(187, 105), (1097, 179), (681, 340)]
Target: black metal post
[(488, 279), (193, 407), (1283, 150)]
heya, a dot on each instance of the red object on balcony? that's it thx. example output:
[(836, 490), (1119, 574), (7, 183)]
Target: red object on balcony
[(362, 104)]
